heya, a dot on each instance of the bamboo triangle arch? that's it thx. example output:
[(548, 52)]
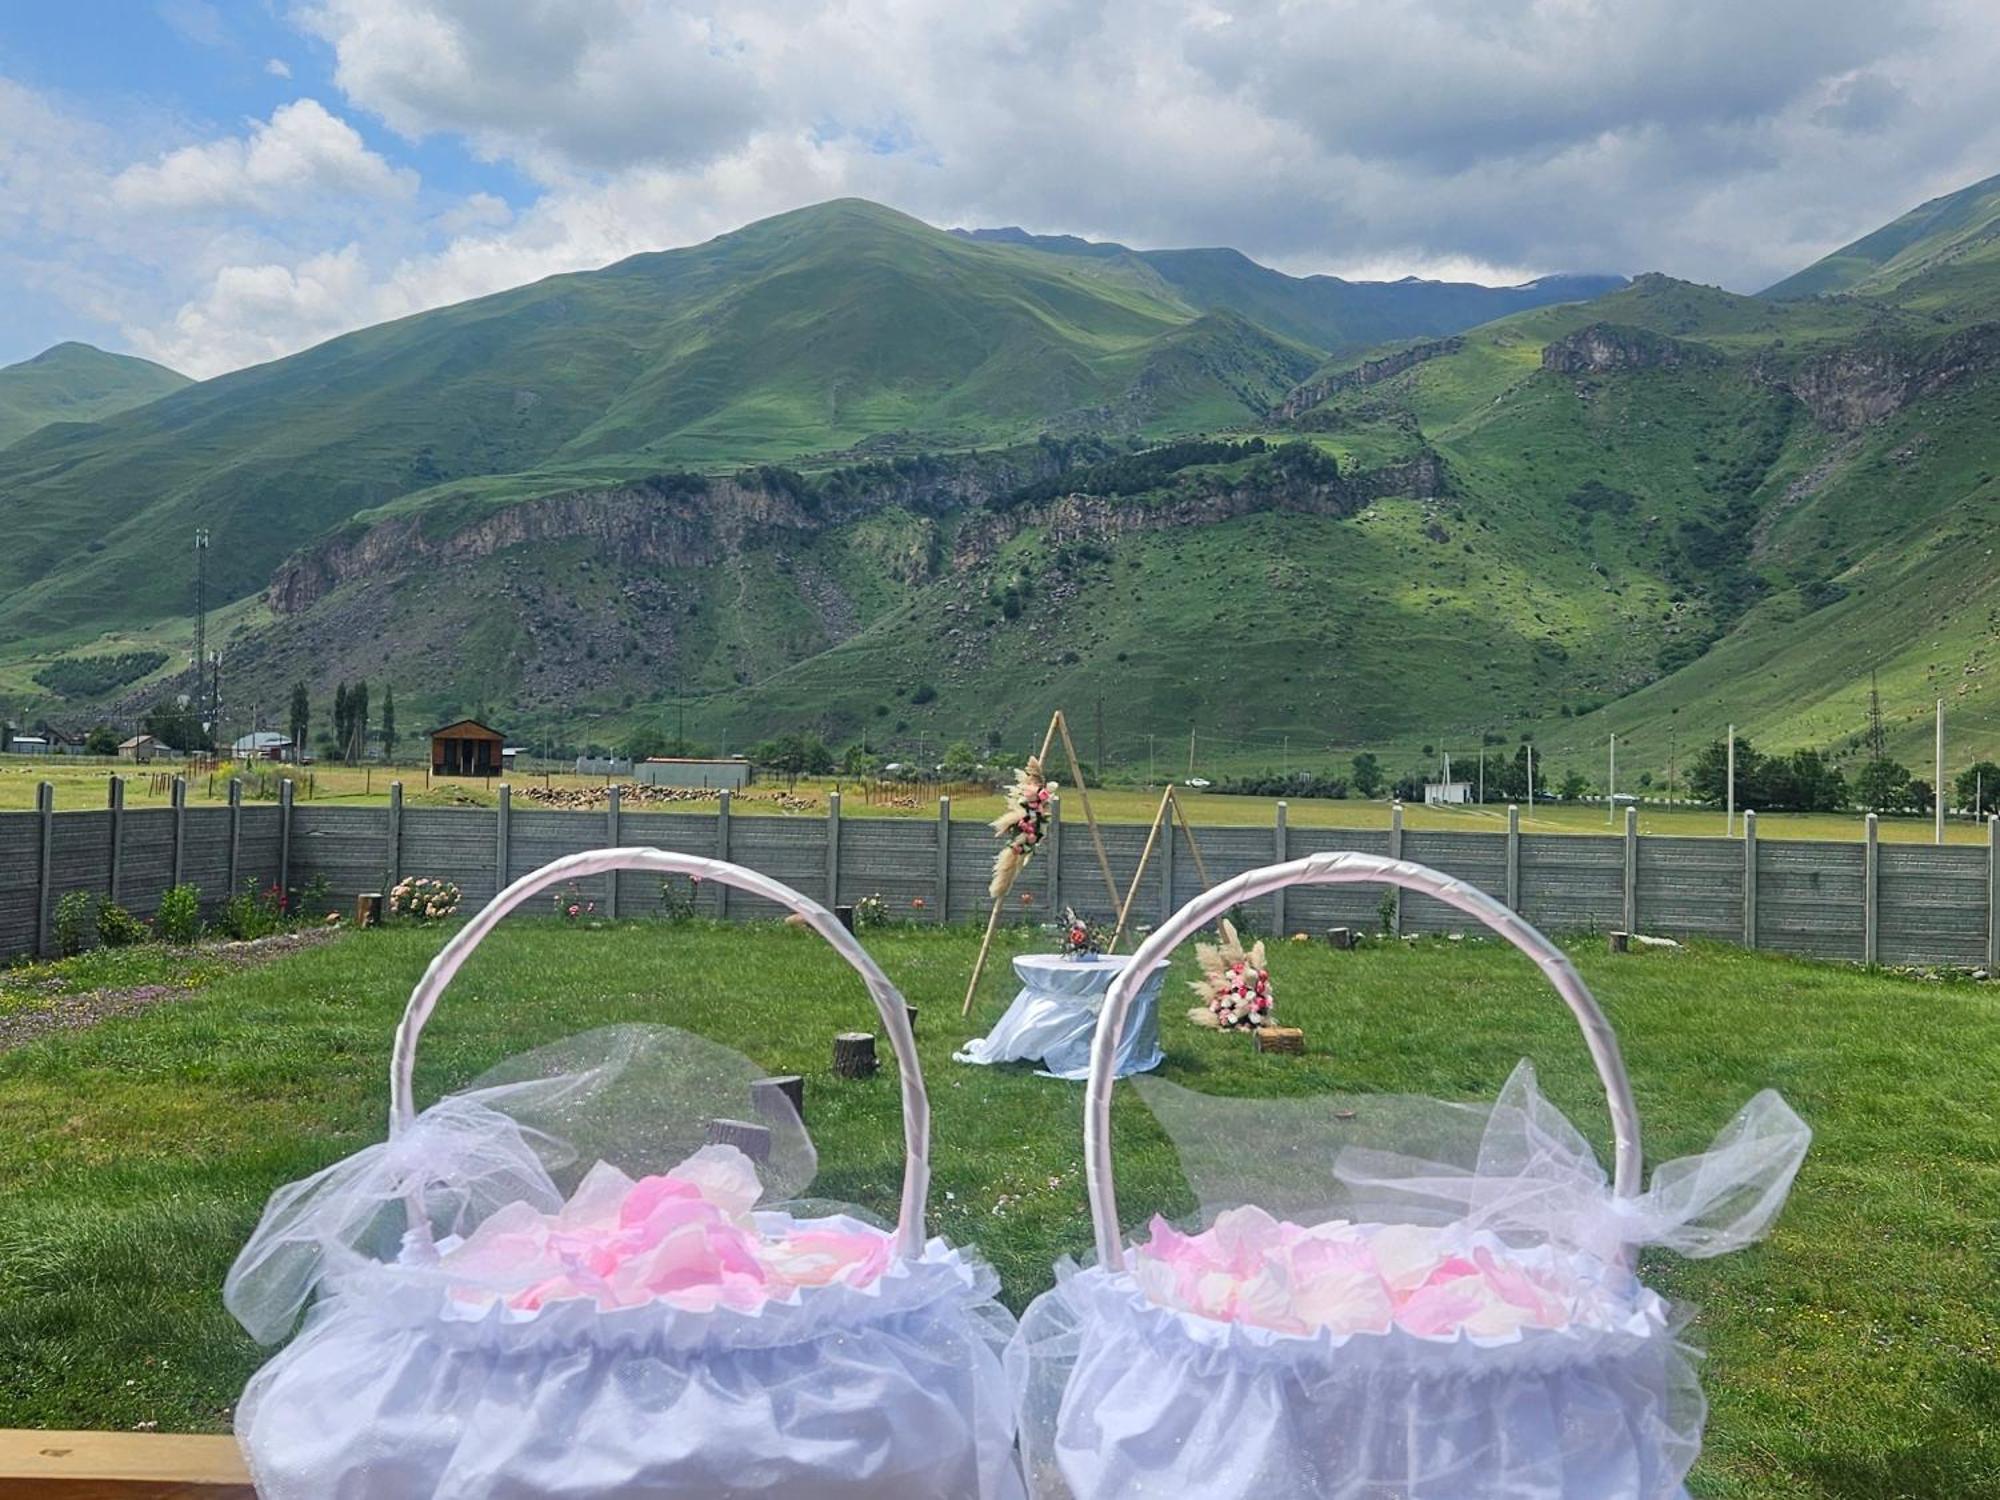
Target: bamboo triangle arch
[(1167, 800), (1057, 726)]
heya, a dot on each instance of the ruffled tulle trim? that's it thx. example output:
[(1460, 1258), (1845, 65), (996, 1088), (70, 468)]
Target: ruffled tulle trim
[(1103, 1303), (941, 1281)]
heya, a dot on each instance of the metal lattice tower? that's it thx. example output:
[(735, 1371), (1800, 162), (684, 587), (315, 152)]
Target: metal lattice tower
[(200, 613)]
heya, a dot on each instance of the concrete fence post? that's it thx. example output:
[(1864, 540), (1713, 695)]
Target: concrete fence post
[(721, 851), (502, 834), (1280, 842), (613, 796), (179, 801), (235, 832), (1631, 870), (1749, 879), (1513, 857), (1871, 899), (1395, 852), (392, 863), (45, 855), (944, 860), (1055, 857), (117, 801), (285, 837), (1993, 892), (1167, 831), (832, 849)]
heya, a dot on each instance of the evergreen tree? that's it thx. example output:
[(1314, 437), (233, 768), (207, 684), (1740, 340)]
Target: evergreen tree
[(340, 720), (301, 724), (1977, 788), (357, 721), (1367, 774), (388, 722)]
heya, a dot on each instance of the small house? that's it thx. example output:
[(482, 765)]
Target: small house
[(141, 748), (682, 770), (1447, 793), (28, 744), (466, 748), (265, 744)]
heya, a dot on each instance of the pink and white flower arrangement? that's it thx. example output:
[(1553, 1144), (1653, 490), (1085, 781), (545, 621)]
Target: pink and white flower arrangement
[(1345, 1278), (1235, 984), (423, 898), (1029, 801), (686, 1238)]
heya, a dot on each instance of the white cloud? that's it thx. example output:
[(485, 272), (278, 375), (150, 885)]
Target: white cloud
[(277, 67), (251, 313), (300, 150)]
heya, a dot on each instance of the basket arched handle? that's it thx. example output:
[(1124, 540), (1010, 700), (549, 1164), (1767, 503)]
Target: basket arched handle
[(888, 999), (1338, 869)]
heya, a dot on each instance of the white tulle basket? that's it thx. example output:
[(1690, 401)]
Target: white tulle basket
[(1386, 1298), (498, 1309)]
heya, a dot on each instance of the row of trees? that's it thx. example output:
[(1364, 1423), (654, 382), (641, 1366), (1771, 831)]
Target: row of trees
[(1806, 781)]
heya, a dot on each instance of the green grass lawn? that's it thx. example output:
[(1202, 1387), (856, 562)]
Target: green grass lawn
[(1853, 1355)]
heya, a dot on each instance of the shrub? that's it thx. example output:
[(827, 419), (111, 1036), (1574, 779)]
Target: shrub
[(677, 898), (252, 913), (572, 905), (76, 920), (117, 927), (179, 918), (423, 898), (871, 911)]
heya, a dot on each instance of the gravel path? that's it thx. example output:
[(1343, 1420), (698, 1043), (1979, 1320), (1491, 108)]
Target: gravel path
[(73, 1012)]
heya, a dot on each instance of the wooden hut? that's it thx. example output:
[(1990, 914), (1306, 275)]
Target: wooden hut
[(466, 748)]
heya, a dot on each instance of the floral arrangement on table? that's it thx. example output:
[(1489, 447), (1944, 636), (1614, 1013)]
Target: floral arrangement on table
[(687, 1238), (1021, 825), (1365, 1278), (1082, 939), (1235, 986), (423, 898)]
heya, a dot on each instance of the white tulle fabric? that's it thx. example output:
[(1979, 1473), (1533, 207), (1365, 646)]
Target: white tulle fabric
[(439, 1363), (1124, 1389)]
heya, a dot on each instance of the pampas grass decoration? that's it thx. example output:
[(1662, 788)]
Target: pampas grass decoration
[(1021, 825), (1235, 985)]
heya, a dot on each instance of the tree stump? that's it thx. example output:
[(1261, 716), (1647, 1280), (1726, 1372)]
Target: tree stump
[(854, 1054), (845, 915), (754, 1141), (1342, 938), (368, 909), (1621, 942), (911, 1011), (1279, 1039), (779, 1098)]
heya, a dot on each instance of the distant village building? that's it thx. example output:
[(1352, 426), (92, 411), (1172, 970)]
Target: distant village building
[(140, 748), (675, 770), (1447, 793), (265, 744), (28, 744), (466, 748)]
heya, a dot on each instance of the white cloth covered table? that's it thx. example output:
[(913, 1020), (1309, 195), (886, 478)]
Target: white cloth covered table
[(1054, 1017)]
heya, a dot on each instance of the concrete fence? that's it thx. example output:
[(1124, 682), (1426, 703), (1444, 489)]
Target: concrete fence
[(1867, 902)]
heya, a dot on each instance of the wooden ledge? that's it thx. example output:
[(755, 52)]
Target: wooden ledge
[(120, 1466)]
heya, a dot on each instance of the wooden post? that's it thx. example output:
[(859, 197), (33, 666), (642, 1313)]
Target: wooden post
[(235, 832), (45, 809), (832, 848), (1139, 874), (612, 796), (285, 835), (1280, 840), (45, 1465), (1631, 869), (1513, 857), (780, 1097), (1749, 879), (854, 1054), (1870, 897), (979, 963), (1396, 852), (721, 852), (943, 892), (1053, 838), (179, 796), (393, 864), (117, 837), (502, 829)]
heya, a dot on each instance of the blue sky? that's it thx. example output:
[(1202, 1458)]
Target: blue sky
[(212, 183)]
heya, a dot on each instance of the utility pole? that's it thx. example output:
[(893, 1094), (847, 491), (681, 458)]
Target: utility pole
[(1531, 776), (1482, 769), (1673, 757), (200, 615), (1149, 760), (1611, 780), (1190, 752), (1729, 827), (1874, 718), (1100, 736), (1937, 796)]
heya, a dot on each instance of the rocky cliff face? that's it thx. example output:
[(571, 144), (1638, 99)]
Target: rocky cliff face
[(1369, 372), (1603, 347), (1850, 388)]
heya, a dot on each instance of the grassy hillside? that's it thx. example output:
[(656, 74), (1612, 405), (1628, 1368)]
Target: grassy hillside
[(1948, 246), (76, 383)]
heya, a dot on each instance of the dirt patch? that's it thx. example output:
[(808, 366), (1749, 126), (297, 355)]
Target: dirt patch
[(77, 1009)]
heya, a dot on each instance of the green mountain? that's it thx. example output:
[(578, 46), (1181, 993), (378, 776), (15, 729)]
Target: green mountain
[(1942, 255), (76, 383), (840, 470), (1324, 311)]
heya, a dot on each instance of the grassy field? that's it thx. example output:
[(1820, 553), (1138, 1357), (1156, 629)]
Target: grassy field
[(83, 786), (1851, 1356)]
